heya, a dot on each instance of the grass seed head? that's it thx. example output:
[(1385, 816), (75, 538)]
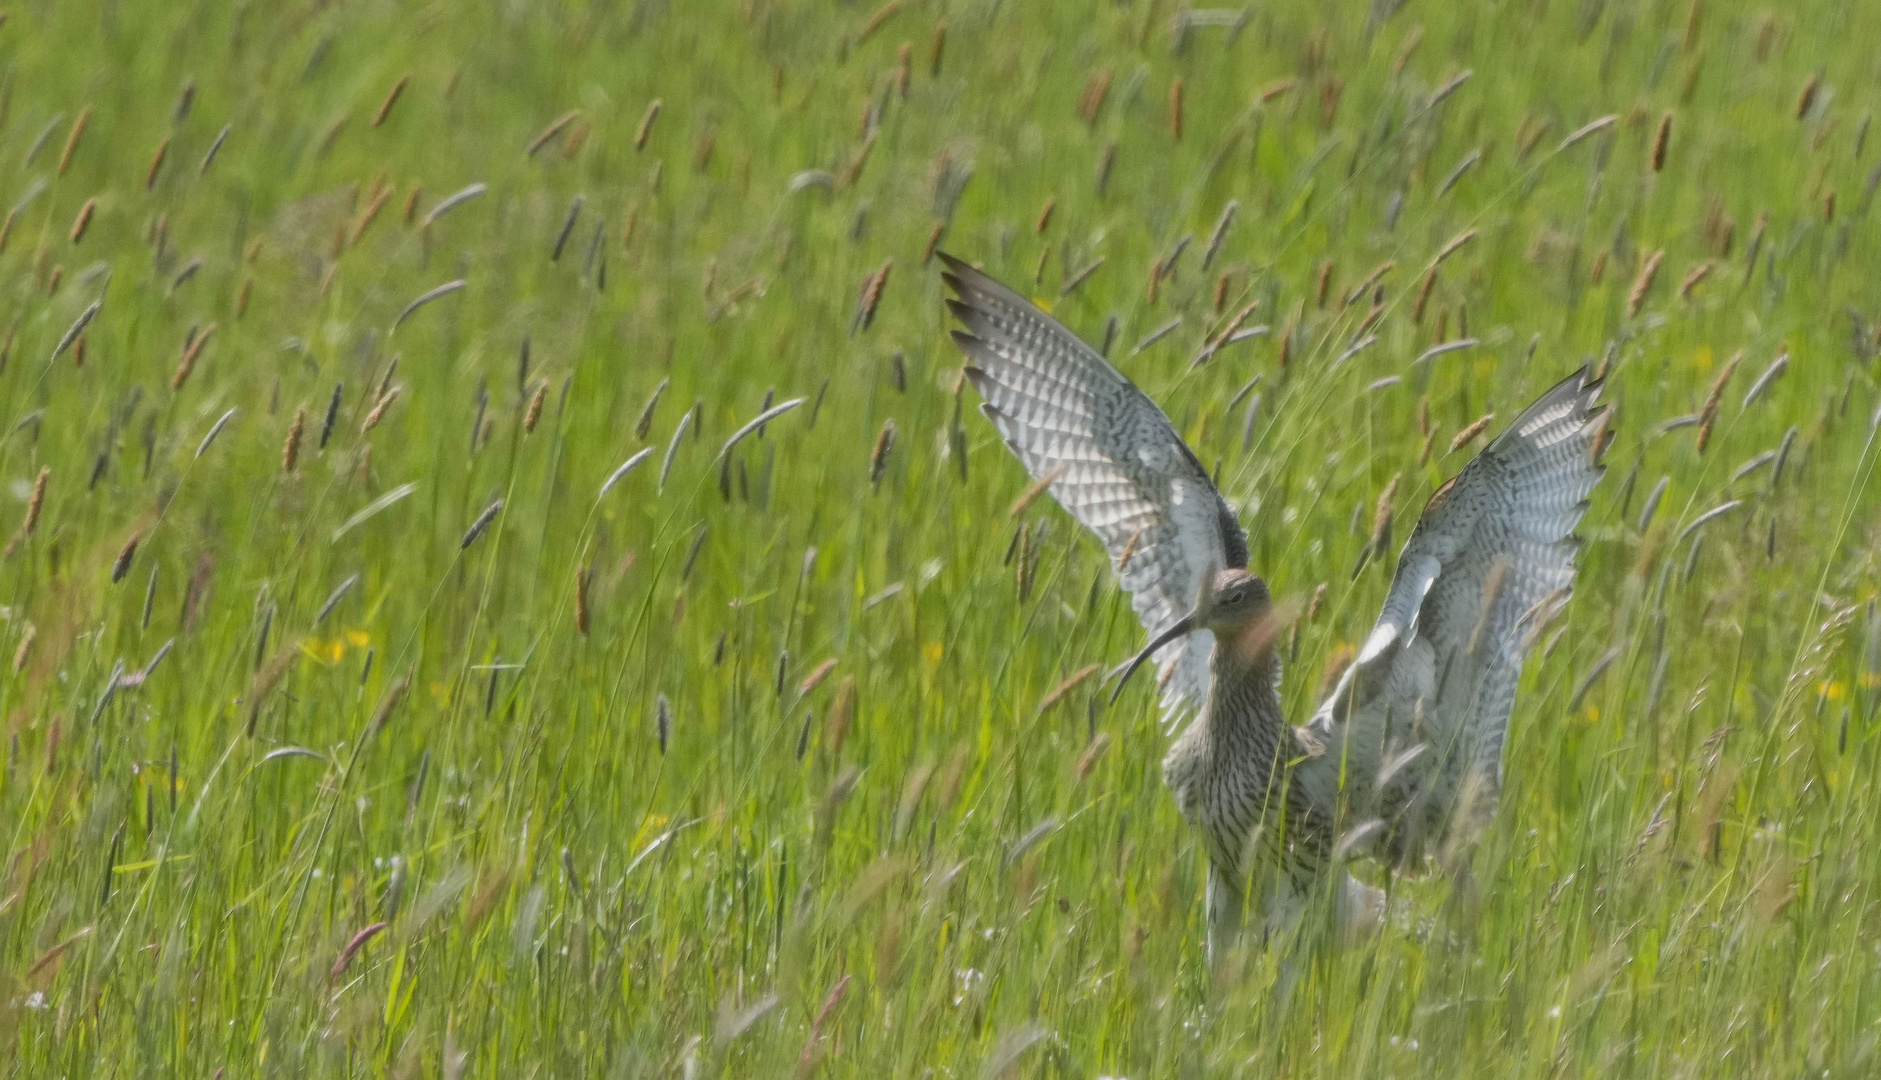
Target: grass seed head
[(1063, 690), (692, 554), (878, 457), (191, 350), (371, 213), (534, 413), (882, 15), (122, 565), (25, 648), (478, 526), (156, 164), (1383, 515), (378, 410), (1037, 488), (841, 716), (1708, 413), (290, 450), (72, 140), (391, 99), (645, 422), (1096, 90), (1697, 275), (870, 298), (815, 678), (1643, 283), (387, 704), (645, 129), (549, 133), (333, 413), (1463, 438), (568, 226), (1423, 296), (36, 503), (933, 242)]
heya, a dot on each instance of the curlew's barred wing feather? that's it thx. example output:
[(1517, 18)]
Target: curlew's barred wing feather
[(1492, 554), (1121, 469)]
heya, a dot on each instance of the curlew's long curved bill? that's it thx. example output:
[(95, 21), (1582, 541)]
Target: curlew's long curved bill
[(1181, 628)]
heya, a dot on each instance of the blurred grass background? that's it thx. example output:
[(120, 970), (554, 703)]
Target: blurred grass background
[(758, 765)]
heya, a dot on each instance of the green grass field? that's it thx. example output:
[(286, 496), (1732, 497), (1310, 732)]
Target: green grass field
[(763, 766)]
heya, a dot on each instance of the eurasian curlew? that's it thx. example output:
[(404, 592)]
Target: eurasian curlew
[(1407, 749)]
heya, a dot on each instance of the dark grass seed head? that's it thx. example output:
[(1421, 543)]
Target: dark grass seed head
[(215, 147), (334, 598), (122, 565), (333, 413), (645, 422), (568, 226), (692, 553), (483, 522)]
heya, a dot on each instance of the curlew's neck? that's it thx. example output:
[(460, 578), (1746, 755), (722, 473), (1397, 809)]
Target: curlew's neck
[(1244, 703)]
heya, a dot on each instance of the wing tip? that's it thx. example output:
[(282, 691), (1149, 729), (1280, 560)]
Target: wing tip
[(1579, 393), (972, 285)]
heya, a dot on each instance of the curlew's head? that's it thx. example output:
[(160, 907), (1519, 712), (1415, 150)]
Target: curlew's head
[(1234, 605), (1234, 601)]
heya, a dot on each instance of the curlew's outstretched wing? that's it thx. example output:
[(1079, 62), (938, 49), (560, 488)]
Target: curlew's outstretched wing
[(1118, 465), (1423, 710)]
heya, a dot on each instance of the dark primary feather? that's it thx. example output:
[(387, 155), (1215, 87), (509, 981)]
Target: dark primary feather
[(1126, 475), (1492, 555)]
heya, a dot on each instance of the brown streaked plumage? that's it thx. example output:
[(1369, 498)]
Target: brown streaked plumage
[(1407, 748)]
